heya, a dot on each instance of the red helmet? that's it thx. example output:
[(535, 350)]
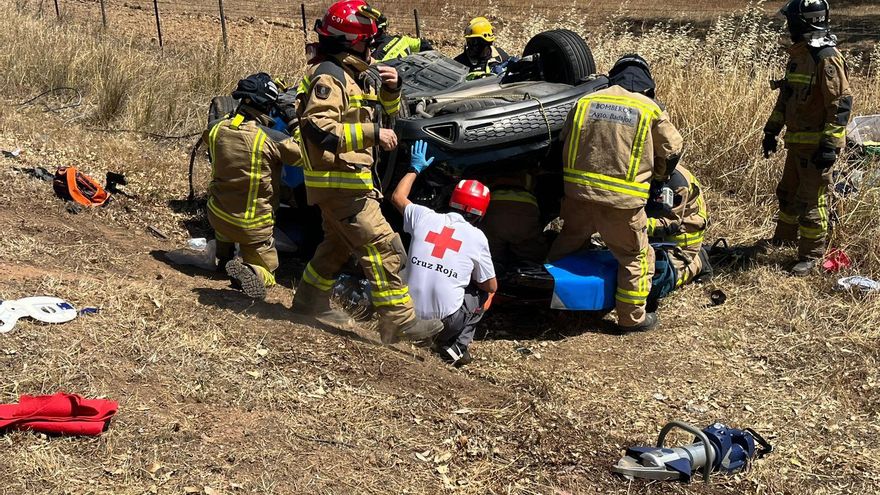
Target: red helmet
[(470, 196), (349, 20)]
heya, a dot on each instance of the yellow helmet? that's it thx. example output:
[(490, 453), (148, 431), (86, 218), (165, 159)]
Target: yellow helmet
[(480, 27)]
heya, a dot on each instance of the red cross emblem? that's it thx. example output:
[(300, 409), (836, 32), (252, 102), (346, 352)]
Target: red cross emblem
[(442, 242)]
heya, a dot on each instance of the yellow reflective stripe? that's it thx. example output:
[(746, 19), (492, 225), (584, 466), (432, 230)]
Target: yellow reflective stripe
[(812, 233), (348, 131), (515, 196), (796, 78), (834, 131), (701, 203), (391, 106), (212, 144), (394, 301), (823, 207), (644, 282), (255, 175), (260, 221), (378, 268), (634, 297), (686, 240), (652, 225), (803, 137), (339, 180), (638, 147), (358, 101), (575, 138), (390, 297), (359, 136), (789, 219), (606, 182), (311, 277)]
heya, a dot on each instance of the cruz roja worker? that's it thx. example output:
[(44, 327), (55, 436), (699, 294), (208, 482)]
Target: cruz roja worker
[(450, 273)]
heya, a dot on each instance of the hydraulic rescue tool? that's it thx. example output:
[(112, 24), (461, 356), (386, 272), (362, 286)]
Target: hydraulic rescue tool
[(718, 448)]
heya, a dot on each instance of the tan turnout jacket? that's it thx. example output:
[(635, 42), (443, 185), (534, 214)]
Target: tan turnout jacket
[(689, 212), (615, 143), (246, 162), (815, 101), (339, 120)]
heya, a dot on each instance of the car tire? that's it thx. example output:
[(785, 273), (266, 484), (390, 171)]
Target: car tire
[(566, 52), (221, 106)]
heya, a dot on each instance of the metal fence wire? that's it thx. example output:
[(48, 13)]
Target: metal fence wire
[(404, 18)]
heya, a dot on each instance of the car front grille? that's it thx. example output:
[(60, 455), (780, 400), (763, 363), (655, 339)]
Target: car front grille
[(525, 123)]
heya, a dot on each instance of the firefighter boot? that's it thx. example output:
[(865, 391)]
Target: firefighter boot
[(414, 330), (803, 267), (311, 302), (651, 321), (246, 279)]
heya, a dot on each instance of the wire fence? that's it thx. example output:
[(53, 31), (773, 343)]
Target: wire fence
[(411, 18)]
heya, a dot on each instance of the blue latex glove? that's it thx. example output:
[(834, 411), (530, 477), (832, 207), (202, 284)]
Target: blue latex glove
[(420, 160)]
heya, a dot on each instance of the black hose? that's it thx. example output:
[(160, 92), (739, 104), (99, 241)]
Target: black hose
[(192, 163)]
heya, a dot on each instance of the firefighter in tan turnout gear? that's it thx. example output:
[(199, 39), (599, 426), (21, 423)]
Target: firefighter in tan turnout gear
[(512, 224), (682, 223), (814, 106), (339, 114), (246, 161), (617, 141)]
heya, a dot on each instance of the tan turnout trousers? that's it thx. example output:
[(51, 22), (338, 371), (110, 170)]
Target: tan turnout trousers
[(256, 248), (357, 226), (803, 203), (625, 233)]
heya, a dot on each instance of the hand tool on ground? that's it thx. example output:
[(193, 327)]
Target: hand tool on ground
[(718, 448)]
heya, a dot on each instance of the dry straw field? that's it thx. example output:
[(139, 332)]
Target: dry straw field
[(221, 395)]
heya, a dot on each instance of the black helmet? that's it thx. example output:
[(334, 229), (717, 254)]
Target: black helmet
[(632, 73), (806, 16), (257, 91)]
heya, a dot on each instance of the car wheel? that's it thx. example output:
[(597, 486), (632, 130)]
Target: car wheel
[(221, 106), (565, 52)]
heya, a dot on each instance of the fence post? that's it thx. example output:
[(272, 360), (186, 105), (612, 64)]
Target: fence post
[(57, 10), (302, 11), (158, 22), (223, 26), (418, 28), (103, 14)]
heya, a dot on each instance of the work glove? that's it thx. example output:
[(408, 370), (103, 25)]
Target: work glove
[(419, 160), (825, 156), (769, 144)]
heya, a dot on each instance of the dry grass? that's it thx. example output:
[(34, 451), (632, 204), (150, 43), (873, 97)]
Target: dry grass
[(217, 392)]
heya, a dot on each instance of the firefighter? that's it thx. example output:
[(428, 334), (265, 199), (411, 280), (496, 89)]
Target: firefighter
[(814, 106), (451, 274), (246, 161), (683, 223), (616, 141), (513, 222), (480, 54), (387, 47), (339, 114)]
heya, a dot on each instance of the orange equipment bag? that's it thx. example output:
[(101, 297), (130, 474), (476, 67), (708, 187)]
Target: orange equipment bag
[(72, 185)]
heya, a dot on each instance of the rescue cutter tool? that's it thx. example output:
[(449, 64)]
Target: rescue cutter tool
[(718, 448)]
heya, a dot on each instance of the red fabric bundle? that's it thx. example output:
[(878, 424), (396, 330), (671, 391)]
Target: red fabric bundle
[(60, 414)]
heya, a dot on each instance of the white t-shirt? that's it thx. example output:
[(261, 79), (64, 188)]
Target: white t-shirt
[(445, 254)]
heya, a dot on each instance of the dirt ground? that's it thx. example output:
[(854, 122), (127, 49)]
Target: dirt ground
[(219, 394)]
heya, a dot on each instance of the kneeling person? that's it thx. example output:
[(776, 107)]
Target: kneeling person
[(447, 253), (682, 224), (246, 161)]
